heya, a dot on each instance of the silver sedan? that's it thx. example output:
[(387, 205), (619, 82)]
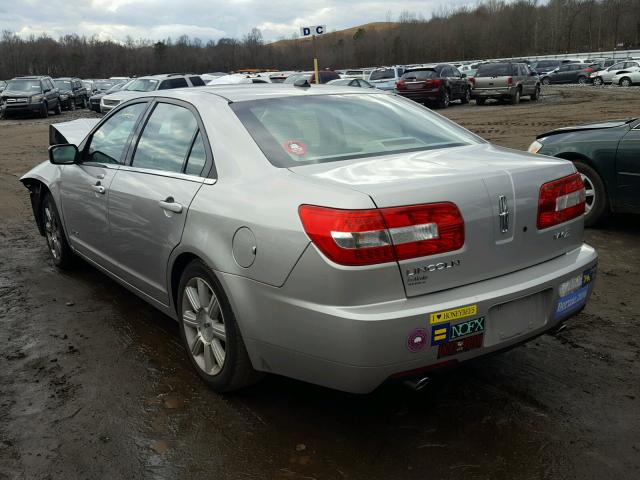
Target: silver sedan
[(287, 235)]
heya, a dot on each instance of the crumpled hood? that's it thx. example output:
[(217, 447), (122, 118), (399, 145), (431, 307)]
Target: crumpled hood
[(73, 132)]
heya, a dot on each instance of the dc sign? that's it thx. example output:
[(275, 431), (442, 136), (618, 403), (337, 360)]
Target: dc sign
[(314, 30)]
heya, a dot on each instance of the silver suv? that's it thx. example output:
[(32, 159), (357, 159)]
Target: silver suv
[(504, 80), (150, 84)]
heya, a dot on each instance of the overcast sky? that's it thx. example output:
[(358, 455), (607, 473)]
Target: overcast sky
[(205, 19)]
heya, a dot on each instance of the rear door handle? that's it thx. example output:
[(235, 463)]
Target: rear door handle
[(170, 205)]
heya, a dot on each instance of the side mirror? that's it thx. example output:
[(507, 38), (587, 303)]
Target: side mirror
[(64, 154), (463, 75)]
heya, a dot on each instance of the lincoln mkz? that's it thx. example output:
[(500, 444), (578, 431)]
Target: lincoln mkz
[(329, 234)]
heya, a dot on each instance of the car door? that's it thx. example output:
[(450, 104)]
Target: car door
[(84, 187), (150, 196), (457, 82), (50, 92), (628, 170)]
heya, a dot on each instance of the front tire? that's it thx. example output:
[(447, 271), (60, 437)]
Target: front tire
[(44, 110), (480, 101), (210, 333), (546, 81), (597, 205), (466, 97), (58, 109), (598, 81), (59, 248)]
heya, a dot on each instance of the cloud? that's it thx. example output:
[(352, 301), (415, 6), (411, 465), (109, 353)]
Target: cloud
[(207, 20)]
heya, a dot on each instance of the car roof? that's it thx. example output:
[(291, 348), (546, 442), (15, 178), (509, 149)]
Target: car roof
[(162, 76), (30, 77), (247, 92)]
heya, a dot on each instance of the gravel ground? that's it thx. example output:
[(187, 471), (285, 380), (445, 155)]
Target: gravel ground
[(94, 382)]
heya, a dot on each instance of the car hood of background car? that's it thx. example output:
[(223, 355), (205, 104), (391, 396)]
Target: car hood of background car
[(125, 95), (587, 126), (16, 93)]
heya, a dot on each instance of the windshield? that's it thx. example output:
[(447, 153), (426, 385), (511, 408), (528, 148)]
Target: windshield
[(29, 86), (494, 70), (383, 74), (117, 87), (297, 76), (419, 75), (62, 84), (102, 85), (142, 85), (295, 131)]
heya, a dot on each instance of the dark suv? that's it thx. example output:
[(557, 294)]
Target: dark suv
[(437, 84), (30, 95), (72, 93)]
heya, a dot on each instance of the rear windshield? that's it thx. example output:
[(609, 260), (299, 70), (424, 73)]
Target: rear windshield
[(494, 70), (420, 75), (325, 128), (383, 74)]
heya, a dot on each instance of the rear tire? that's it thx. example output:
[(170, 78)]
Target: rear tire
[(84, 103), (44, 111), (480, 101), (515, 98), (582, 80), (597, 207), (59, 249), (210, 333), (58, 109), (445, 99), (536, 94)]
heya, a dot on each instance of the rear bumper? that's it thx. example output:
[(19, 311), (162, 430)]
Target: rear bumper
[(422, 96), (493, 92), (356, 348)]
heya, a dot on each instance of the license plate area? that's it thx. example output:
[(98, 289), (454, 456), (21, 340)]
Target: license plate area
[(518, 317)]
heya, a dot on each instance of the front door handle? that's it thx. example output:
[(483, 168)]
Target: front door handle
[(170, 205), (98, 188)]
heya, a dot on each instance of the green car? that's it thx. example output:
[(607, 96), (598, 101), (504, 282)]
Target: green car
[(607, 155)]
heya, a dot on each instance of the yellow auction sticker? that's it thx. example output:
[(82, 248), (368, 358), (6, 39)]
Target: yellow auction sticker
[(453, 314)]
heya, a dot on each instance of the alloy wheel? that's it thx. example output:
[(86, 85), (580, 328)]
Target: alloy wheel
[(590, 193), (204, 326), (625, 82), (52, 232)]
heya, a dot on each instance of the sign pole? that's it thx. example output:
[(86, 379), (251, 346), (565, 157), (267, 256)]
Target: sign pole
[(315, 60)]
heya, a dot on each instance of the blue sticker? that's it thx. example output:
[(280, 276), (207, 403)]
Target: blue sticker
[(572, 302), (440, 333)]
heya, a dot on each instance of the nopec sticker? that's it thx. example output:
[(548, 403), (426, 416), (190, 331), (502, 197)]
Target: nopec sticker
[(295, 147)]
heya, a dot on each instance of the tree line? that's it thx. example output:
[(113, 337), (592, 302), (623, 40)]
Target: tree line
[(492, 29)]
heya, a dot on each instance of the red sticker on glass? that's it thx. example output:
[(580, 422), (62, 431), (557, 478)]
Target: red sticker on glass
[(295, 147)]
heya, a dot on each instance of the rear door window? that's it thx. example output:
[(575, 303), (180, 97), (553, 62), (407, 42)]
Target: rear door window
[(196, 81), (166, 139), (173, 83)]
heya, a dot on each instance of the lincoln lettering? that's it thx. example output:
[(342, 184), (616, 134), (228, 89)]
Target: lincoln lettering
[(412, 272)]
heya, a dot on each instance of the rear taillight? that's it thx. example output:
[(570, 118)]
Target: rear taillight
[(560, 201), (434, 83), (509, 81), (472, 81), (588, 70), (366, 237), (400, 84)]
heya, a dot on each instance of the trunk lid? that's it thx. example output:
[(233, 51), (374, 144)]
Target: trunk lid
[(490, 83), (480, 180)]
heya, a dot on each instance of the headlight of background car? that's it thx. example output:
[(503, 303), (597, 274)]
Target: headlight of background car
[(36, 98), (535, 146)]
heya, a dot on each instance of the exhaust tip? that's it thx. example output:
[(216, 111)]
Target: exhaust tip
[(417, 384)]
